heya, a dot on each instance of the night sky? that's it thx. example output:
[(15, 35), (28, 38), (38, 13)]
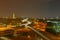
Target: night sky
[(30, 8)]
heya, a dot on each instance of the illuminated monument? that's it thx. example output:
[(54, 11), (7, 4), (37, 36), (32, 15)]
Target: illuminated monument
[(14, 16)]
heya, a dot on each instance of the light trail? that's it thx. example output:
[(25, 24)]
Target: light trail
[(4, 38), (39, 33)]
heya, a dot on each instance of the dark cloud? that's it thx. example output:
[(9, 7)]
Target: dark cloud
[(54, 7)]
